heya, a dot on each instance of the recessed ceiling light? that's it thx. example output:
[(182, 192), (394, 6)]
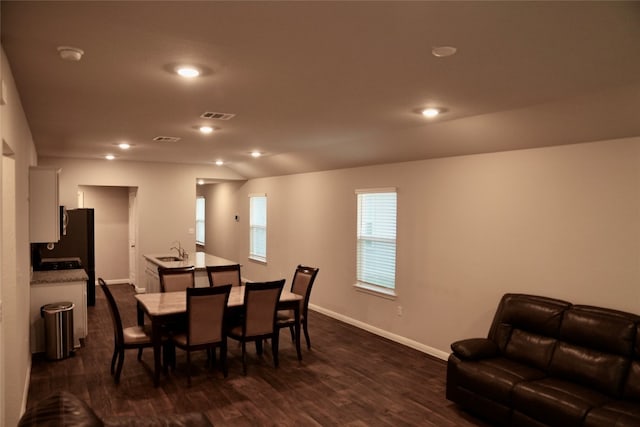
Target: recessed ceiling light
[(188, 71), (219, 162), (443, 51), (206, 129), (124, 146), (69, 53), (430, 112), (256, 154), (109, 157)]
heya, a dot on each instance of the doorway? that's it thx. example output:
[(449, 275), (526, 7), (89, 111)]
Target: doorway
[(115, 228)]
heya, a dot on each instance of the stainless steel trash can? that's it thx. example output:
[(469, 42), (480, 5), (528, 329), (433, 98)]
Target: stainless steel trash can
[(58, 329)]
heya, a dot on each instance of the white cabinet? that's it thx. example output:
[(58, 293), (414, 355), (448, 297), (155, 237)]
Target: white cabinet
[(152, 280), (49, 293), (44, 206)]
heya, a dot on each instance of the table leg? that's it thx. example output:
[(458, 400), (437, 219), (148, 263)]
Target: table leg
[(156, 338)]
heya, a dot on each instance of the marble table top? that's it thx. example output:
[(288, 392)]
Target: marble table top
[(166, 303)]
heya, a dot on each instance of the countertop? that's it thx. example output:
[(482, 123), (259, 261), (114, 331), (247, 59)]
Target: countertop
[(200, 260), (58, 276)]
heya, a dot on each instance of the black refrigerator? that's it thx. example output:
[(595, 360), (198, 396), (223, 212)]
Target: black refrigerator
[(79, 241)]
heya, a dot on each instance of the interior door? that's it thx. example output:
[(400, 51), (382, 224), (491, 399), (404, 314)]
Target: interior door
[(133, 228)]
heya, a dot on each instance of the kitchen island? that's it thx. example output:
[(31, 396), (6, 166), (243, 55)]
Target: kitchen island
[(200, 260)]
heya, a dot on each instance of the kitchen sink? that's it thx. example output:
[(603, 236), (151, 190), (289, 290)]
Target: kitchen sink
[(168, 258)]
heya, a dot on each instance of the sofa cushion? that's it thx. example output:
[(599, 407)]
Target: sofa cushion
[(556, 402), (530, 348), (495, 378), (632, 385), (601, 329), (614, 414), (538, 315), (603, 371)]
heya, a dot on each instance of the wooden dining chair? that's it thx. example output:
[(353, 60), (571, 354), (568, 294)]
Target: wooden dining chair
[(206, 309), (224, 275), (133, 337), (301, 284), (176, 279), (259, 318)]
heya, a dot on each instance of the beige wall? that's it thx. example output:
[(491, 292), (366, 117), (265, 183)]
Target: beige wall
[(221, 229), (562, 222), (18, 154), (165, 197), (111, 230)]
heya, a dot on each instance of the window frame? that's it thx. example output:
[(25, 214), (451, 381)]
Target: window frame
[(368, 286), (201, 221), (257, 254)]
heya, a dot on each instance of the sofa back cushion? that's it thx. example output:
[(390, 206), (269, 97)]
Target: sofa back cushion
[(532, 349), (596, 348), (526, 327), (591, 368)]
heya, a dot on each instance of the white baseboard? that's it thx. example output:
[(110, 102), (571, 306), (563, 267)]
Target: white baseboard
[(381, 332)]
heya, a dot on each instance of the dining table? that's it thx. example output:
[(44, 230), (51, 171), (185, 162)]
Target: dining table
[(163, 307)]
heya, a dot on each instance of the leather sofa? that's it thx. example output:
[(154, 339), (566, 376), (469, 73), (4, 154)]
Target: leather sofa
[(547, 362), (65, 409)]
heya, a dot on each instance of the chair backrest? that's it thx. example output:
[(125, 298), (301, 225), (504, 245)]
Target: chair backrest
[(206, 308), (302, 283), (176, 278), (260, 303), (118, 335), (224, 275)]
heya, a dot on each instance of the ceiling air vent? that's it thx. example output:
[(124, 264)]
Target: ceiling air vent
[(217, 116), (166, 139)]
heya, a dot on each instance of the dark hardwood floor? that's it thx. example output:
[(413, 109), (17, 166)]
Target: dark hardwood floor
[(349, 378)]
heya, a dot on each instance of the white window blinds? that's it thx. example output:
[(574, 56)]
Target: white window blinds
[(376, 246), (258, 227)]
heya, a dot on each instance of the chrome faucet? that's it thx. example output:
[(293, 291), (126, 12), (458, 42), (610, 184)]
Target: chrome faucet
[(182, 253)]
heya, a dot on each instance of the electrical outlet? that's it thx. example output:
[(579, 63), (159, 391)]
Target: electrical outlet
[(399, 310)]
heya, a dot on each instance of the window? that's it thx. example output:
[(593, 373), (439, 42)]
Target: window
[(376, 245), (258, 227), (200, 203)]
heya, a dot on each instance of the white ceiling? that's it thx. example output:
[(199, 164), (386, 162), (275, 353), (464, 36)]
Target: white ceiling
[(323, 85)]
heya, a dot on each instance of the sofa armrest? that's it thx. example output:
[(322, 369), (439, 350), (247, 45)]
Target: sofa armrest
[(60, 409), (475, 348)]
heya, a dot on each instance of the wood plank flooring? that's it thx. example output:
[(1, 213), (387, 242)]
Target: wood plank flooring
[(349, 378)]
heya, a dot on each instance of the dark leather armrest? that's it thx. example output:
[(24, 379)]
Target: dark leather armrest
[(475, 348), (60, 409)]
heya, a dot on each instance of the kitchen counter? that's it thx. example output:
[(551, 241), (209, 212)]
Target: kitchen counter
[(58, 276), (200, 260)]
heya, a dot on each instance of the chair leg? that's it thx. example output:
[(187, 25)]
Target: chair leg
[(244, 358), (113, 360), (189, 367), (293, 335), (119, 367), (223, 358), (259, 347), (306, 335), (140, 354), (274, 346)]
